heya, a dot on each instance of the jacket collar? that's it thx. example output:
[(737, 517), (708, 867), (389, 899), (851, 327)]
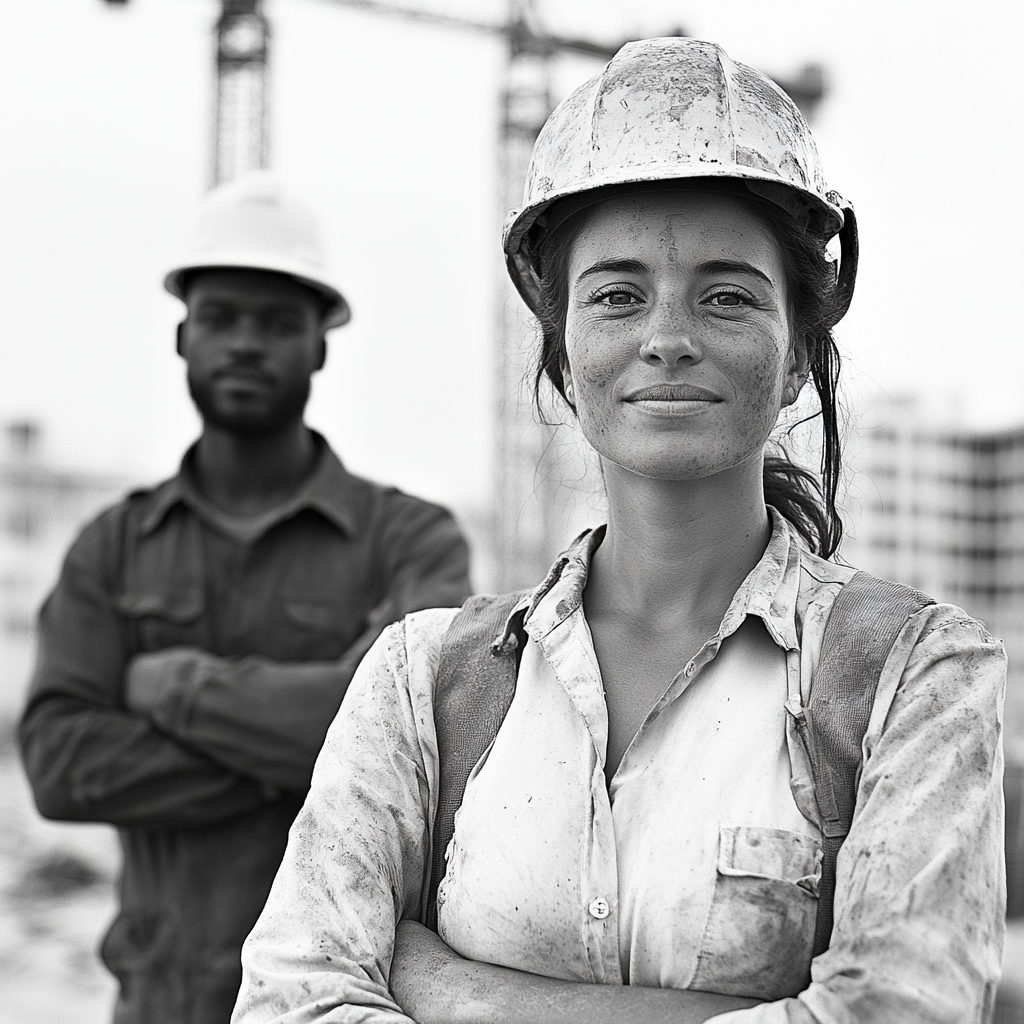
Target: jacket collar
[(330, 490)]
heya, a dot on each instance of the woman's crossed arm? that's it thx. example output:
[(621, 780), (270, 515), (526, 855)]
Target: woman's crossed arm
[(434, 985)]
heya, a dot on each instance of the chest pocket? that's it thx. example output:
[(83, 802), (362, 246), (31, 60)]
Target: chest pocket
[(321, 627), (760, 930), (168, 619)]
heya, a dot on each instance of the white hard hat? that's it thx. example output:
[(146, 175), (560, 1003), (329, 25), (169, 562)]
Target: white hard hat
[(667, 110), (254, 223)]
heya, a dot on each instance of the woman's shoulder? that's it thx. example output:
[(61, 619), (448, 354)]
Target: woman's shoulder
[(421, 637), (835, 596), (413, 643)]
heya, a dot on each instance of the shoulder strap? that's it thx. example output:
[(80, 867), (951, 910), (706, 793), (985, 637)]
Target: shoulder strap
[(862, 627), (475, 683)]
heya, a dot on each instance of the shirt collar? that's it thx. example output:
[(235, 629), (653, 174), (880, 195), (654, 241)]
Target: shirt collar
[(330, 490), (769, 591)]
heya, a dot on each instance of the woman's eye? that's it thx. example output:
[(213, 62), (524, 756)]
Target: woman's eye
[(728, 299), (617, 298)]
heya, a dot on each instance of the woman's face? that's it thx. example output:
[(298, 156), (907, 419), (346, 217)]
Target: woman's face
[(678, 334)]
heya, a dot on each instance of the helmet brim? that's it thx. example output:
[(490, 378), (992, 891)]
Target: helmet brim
[(338, 310), (524, 229)]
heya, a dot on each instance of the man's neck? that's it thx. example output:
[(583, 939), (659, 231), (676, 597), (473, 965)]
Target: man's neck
[(244, 475)]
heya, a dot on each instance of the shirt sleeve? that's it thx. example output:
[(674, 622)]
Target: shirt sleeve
[(86, 757), (357, 856), (920, 881), (268, 719)]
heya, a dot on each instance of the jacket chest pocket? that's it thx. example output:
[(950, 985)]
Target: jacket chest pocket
[(164, 619), (760, 930)]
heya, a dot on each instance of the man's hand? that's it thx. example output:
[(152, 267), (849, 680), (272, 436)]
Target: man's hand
[(164, 679)]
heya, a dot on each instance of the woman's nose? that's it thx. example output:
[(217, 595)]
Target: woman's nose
[(670, 341)]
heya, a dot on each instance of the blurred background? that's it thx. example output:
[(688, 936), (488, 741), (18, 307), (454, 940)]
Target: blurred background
[(406, 125)]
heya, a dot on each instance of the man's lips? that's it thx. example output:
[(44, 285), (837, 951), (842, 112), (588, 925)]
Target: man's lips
[(243, 375), (672, 393)]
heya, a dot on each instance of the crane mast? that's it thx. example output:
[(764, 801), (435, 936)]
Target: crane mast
[(539, 480), (241, 124)]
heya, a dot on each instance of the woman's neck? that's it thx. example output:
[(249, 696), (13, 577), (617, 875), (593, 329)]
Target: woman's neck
[(677, 551)]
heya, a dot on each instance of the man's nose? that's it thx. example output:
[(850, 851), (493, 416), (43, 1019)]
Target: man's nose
[(246, 337)]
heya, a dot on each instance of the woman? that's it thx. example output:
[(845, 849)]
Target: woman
[(642, 841)]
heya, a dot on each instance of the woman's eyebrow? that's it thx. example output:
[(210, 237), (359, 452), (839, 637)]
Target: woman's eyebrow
[(620, 266), (733, 267)]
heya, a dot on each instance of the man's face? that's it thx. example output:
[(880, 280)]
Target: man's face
[(251, 340)]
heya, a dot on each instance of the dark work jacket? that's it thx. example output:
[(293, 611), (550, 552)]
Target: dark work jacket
[(270, 618)]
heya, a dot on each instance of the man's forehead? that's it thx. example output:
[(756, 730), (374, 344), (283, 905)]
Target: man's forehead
[(251, 287)]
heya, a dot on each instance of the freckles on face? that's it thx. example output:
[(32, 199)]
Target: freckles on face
[(678, 338)]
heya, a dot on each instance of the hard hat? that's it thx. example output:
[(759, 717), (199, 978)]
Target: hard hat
[(254, 223), (667, 110)]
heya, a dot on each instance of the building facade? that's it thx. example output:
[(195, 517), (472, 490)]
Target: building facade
[(942, 509)]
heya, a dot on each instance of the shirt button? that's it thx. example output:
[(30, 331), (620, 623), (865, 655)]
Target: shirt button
[(599, 908), (689, 670)]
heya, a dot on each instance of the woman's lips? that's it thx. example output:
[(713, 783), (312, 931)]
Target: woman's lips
[(672, 393), (672, 400)]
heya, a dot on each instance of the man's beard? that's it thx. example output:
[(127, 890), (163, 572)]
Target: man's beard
[(287, 408)]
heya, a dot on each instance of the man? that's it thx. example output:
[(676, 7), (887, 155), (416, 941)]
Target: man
[(203, 632)]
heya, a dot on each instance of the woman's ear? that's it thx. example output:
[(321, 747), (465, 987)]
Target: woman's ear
[(798, 369), (568, 389)]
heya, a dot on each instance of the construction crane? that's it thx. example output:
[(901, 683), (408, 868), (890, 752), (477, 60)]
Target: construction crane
[(541, 484)]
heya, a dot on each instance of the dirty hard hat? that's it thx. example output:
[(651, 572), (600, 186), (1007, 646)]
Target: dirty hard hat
[(254, 223), (667, 110)]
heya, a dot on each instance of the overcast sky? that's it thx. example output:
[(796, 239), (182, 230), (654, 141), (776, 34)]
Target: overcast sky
[(389, 129)]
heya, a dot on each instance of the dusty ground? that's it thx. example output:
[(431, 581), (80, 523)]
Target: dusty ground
[(56, 900)]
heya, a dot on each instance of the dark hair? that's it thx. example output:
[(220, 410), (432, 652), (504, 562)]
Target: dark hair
[(807, 502)]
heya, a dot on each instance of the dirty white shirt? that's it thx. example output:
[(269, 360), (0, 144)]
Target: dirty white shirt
[(698, 866)]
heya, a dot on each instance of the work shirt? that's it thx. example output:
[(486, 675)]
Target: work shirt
[(698, 865), (189, 666)]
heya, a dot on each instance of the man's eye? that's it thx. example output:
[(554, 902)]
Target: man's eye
[(283, 325), (216, 321)]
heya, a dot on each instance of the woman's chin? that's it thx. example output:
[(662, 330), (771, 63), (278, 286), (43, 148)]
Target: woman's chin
[(678, 467)]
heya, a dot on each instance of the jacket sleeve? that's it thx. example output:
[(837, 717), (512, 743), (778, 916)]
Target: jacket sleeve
[(87, 758), (357, 854), (920, 881), (268, 719)]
